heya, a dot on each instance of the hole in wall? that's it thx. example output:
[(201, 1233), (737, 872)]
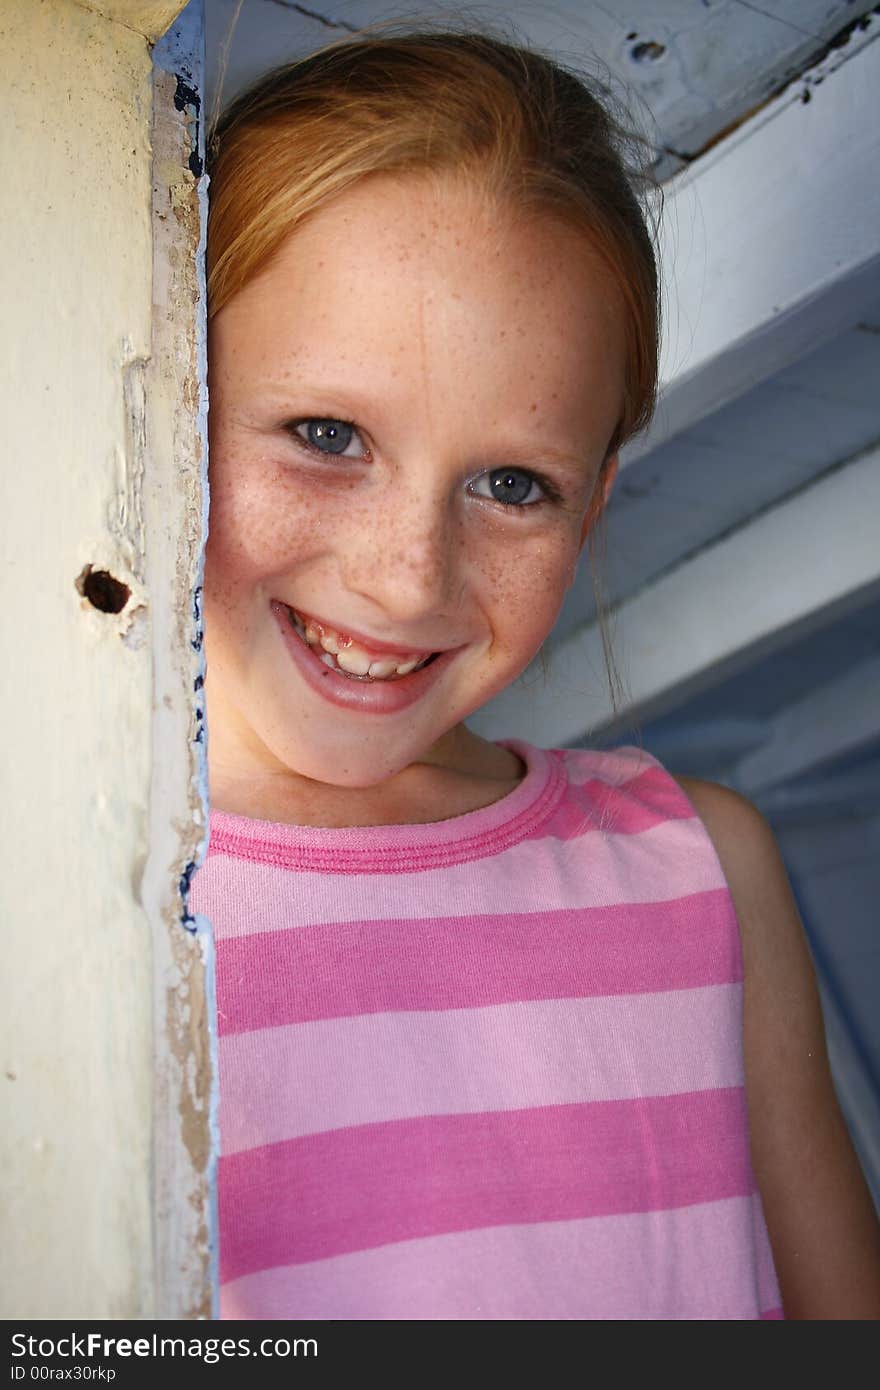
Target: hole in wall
[(647, 52), (103, 591)]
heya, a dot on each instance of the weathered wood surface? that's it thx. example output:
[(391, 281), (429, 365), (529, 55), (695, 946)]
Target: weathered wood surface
[(184, 1148), (104, 989)]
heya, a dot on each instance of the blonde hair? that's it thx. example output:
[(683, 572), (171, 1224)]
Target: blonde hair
[(528, 131)]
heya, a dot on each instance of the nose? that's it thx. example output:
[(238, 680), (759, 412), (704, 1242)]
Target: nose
[(406, 555)]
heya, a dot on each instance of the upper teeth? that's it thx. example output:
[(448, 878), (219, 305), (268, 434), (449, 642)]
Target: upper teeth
[(349, 656)]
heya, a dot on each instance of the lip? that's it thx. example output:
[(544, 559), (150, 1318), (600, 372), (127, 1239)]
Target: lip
[(371, 644), (367, 697)]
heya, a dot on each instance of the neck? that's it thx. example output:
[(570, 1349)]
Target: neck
[(471, 774)]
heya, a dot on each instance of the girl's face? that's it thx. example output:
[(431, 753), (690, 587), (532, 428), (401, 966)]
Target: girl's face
[(409, 410)]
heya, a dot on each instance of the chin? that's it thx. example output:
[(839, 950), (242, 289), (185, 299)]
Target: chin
[(358, 770)]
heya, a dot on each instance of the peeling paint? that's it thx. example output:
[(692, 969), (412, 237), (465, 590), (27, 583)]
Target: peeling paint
[(187, 99), (797, 84), (186, 1149), (137, 632), (126, 518)]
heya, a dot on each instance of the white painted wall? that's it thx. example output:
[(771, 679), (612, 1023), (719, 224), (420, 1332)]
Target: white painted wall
[(103, 1003), (758, 264)]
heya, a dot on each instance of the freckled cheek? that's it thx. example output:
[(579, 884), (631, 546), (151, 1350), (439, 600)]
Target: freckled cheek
[(259, 527), (523, 589)]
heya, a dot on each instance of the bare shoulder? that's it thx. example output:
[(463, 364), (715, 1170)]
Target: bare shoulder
[(822, 1224), (737, 828), (782, 1000)]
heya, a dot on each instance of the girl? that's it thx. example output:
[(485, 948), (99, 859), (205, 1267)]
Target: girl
[(484, 1051)]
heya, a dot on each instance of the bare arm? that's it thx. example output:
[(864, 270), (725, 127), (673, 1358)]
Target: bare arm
[(821, 1220)]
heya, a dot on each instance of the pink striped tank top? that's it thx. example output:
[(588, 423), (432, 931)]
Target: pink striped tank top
[(489, 1067)]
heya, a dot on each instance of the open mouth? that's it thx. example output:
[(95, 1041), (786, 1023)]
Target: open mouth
[(348, 658)]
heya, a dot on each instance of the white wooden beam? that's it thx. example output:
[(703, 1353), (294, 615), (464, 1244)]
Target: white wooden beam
[(106, 1137), (770, 243), (148, 17), (833, 721), (814, 555), (75, 696)]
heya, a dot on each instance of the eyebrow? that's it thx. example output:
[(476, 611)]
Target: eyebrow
[(528, 454), (281, 393)]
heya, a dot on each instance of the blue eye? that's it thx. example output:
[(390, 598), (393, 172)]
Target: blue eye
[(513, 487), (330, 436)]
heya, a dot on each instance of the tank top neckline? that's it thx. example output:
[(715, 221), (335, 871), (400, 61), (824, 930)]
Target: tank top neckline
[(401, 848)]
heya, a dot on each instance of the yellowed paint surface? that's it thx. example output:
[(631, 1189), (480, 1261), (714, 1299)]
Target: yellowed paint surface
[(75, 693), (148, 17)]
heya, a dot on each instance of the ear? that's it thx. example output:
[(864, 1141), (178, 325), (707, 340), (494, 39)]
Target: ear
[(601, 493)]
